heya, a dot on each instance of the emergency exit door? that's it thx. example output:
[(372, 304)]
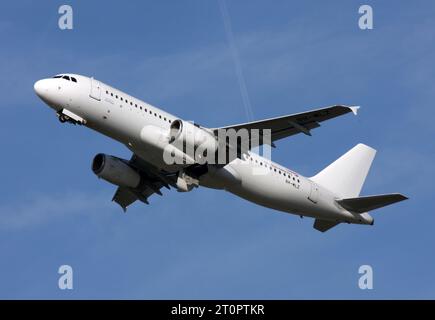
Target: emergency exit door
[(95, 89), (314, 192)]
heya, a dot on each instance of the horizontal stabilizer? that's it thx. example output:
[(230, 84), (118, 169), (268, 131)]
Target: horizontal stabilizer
[(364, 204), (324, 225)]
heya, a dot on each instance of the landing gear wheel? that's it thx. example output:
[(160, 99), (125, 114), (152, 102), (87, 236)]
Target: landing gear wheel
[(62, 118)]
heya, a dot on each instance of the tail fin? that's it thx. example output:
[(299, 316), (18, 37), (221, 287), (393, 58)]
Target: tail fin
[(346, 175)]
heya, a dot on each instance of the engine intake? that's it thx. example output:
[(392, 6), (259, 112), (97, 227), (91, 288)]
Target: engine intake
[(115, 170), (184, 132)]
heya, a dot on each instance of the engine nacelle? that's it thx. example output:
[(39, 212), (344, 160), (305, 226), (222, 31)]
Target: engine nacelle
[(193, 136), (115, 170), (158, 139)]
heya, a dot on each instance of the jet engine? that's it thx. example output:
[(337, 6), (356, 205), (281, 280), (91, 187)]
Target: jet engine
[(158, 139), (192, 135), (115, 170), (183, 144)]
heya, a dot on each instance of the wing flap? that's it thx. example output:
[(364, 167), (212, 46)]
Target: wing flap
[(286, 132)]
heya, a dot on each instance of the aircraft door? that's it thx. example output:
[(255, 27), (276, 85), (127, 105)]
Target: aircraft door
[(314, 192), (95, 89)]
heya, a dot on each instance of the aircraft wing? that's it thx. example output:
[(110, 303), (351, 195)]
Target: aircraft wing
[(282, 127), (151, 183), (124, 197)]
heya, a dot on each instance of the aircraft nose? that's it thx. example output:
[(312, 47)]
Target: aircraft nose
[(41, 87)]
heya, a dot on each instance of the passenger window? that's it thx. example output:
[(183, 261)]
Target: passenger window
[(116, 96), (111, 94), (122, 99)]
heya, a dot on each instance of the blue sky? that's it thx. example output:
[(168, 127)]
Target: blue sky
[(209, 244)]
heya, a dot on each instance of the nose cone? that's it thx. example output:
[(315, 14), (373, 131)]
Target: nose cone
[(46, 91), (41, 88)]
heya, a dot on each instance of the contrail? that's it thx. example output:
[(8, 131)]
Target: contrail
[(235, 54)]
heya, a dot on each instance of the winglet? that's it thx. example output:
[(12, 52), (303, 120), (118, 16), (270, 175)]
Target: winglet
[(354, 109)]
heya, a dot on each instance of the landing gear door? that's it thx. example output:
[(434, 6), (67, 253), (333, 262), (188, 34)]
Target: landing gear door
[(314, 192), (95, 89)]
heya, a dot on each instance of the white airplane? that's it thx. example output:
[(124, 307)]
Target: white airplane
[(330, 197)]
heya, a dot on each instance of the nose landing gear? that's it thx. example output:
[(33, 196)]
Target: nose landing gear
[(67, 116), (62, 118)]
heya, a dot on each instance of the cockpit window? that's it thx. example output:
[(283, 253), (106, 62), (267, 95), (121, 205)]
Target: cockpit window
[(65, 77)]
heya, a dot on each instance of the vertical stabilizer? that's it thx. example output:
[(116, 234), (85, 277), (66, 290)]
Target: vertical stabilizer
[(346, 175)]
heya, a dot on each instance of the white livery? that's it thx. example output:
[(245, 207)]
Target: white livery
[(330, 197)]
